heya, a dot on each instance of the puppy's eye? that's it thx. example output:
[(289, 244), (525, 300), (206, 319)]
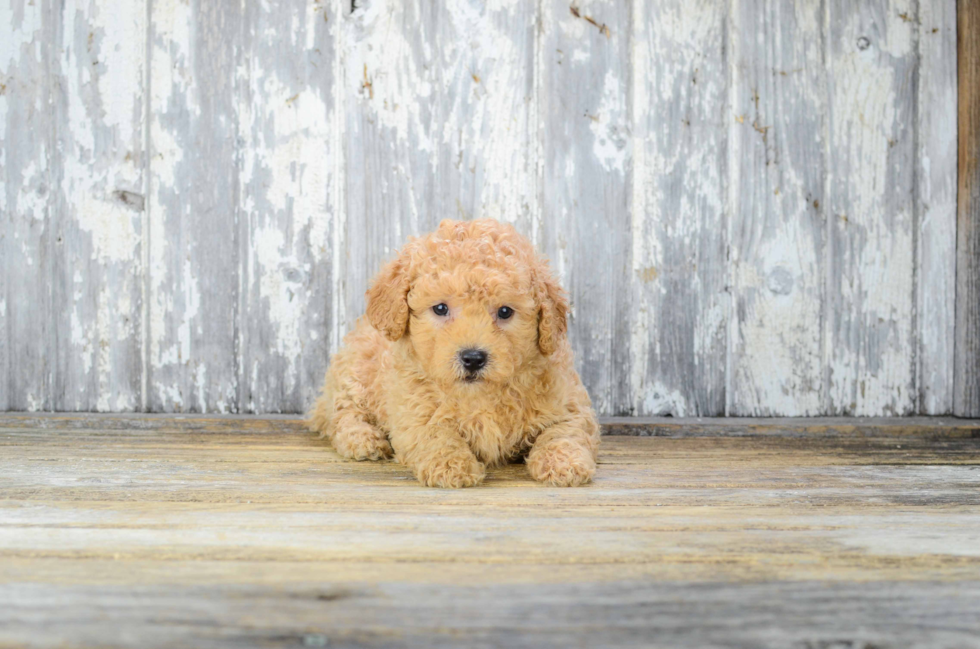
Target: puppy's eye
[(505, 312), (441, 309)]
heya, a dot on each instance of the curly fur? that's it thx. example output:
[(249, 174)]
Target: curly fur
[(397, 387)]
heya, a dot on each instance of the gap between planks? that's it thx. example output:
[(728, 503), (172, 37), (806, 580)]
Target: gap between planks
[(934, 427)]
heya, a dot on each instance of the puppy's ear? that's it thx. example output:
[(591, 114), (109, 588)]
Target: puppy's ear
[(387, 299), (553, 313)]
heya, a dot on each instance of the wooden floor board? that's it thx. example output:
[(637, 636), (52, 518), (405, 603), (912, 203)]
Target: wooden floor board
[(240, 532)]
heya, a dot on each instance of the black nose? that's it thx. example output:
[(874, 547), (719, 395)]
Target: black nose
[(473, 359)]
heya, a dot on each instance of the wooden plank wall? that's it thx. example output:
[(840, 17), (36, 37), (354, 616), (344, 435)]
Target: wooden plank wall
[(752, 203), (967, 368)]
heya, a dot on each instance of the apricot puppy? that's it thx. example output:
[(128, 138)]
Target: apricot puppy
[(461, 364)]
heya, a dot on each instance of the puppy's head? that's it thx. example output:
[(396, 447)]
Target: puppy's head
[(474, 300)]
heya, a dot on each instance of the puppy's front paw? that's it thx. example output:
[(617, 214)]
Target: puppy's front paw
[(451, 471), (361, 442), (561, 463)]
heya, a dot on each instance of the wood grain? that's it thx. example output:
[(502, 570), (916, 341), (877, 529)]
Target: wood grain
[(26, 237), (680, 112), (194, 274), (777, 188), (244, 531), (484, 140), (868, 209), (390, 120), (750, 203), (438, 103), (584, 130), (935, 211), (966, 402), (611, 614), (97, 203), (289, 202)]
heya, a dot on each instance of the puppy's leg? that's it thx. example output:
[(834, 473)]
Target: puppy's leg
[(339, 418), (356, 439), (564, 454), (319, 420), (437, 456)]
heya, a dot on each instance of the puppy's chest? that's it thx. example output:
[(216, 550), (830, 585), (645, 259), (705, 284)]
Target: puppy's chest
[(494, 435)]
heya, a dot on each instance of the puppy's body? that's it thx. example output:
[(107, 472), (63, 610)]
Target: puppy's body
[(488, 381)]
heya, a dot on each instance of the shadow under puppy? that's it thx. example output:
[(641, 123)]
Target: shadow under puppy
[(462, 363)]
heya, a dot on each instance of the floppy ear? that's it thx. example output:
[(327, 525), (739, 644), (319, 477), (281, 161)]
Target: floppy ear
[(387, 299), (553, 313)]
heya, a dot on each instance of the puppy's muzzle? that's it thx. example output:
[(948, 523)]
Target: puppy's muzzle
[(473, 360)]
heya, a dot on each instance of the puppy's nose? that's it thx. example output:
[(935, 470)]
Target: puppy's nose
[(473, 359)]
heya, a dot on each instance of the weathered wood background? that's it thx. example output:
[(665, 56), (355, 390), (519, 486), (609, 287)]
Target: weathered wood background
[(752, 202)]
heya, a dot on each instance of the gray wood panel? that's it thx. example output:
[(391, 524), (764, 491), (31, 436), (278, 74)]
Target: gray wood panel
[(438, 98), (777, 177), (935, 207), (586, 144), (967, 379), (751, 204), (194, 278), (680, 113), (26, 150), (96, 204), (869, 208), (483, 134), (288, 204), (390, 92)]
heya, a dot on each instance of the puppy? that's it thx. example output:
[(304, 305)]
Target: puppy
[(461, 364)]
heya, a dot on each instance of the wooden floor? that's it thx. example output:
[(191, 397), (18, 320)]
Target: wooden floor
[(240, 532)]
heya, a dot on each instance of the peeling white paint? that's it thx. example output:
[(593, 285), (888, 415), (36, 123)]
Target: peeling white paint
[(291, 173), (21, 40), (612, 138), (936, 182), (25, 130), (777, 159), (20, 32), (169, 289), (30, 201), (871, 364), (659, 400), (339, 290), (112, 227), (222, 407), (643, 245), (779, 368), (34, 403), (485, 130), (296, 157), (80, 339), (192, 304), (572, 28), (498, 5), (200, 381), (161, 300), (170, 394), (462, 104), (283, 295), (678, 208), (393, 85), (98, 74), (103, 334)]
